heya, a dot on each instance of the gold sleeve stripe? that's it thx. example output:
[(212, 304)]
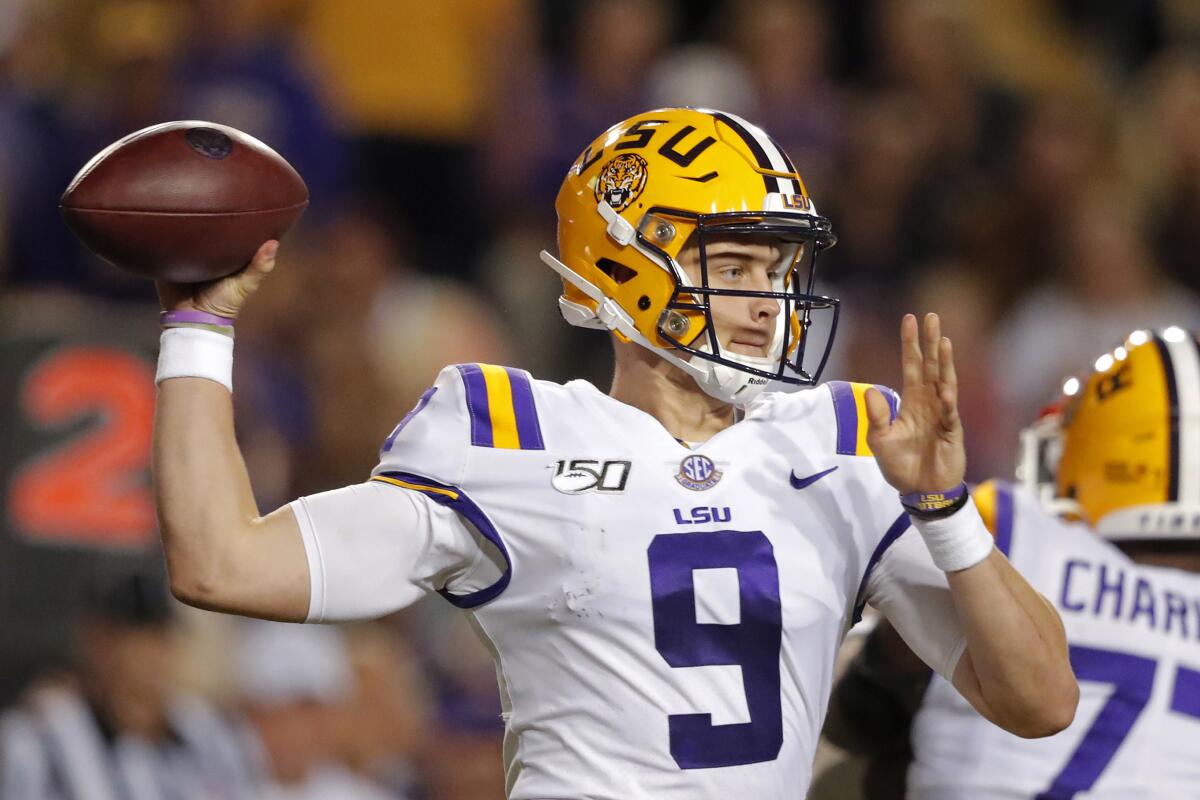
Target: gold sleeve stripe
[(500, 404), (850, 415), (860, 408), (415, 486)]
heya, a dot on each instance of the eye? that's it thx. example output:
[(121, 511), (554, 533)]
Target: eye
[(730, 272)]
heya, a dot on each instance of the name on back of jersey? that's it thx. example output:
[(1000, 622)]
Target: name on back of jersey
[(1111, 592)]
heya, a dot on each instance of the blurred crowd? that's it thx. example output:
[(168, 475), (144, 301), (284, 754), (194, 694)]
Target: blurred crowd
[(1029, 169)]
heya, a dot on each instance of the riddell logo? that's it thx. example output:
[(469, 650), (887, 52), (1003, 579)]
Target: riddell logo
[(580, 475)]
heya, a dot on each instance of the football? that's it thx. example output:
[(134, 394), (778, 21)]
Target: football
[(184, 201)]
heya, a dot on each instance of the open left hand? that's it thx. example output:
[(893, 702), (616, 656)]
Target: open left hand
[(922, 450)]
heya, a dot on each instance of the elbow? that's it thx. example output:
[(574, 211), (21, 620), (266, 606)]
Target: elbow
[(1053, 712), (1060, 713), (190, 587), (194, 581)]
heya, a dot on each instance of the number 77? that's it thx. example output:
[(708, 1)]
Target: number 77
[(1132, 678)]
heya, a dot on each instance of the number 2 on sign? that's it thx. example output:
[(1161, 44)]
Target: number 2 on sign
[(94, 489)]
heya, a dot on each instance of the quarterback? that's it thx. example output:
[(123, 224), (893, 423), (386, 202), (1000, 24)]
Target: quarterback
[(663, 573), (1107, 524)]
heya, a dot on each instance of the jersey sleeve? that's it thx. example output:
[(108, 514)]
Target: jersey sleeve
[(412, 529), (908, 588), (433, 440), (373, 549)]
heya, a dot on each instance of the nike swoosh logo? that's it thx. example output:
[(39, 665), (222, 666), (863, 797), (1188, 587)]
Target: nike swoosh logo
[(804, 483), (702, 179)]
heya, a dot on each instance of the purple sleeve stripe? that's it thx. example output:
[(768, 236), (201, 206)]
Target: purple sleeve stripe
[(424, 401), (525, 411), (1004, 517), (892, 398), (901, 524), (466, 508), (477, 404), (845, 411)]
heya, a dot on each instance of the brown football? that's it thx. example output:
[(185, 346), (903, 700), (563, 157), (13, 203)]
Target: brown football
[(183, 201)]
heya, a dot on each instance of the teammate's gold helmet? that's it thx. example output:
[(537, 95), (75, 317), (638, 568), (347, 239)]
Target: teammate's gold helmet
[(658, 181), (1130, 439)]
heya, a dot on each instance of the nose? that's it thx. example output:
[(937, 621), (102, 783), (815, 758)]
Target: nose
[(764, 309)]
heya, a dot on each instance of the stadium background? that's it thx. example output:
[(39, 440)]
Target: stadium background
[(1029, 169)]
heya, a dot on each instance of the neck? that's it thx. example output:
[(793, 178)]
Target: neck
[(667, 393)]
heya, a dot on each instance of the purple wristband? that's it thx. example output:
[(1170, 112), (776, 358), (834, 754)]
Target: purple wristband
[(193, 318), (933, 502)]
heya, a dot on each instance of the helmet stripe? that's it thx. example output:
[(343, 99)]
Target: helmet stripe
[(1187, 389), (766, 152), (1164, 353), (796, 182)]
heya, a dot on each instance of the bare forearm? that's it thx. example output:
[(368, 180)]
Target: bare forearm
[(221, 554), (1017, 648), (201, 487)]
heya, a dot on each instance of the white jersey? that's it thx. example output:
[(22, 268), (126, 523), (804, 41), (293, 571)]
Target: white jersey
[(664, 619), (1134, 633)]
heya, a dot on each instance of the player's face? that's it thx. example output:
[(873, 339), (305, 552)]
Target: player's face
[(745, 325)]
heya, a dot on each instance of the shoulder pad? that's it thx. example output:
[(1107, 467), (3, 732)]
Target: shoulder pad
[(470, 405), (501, 407), (850, 414)]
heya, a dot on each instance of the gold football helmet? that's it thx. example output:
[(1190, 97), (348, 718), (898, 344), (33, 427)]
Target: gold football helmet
[(1123, 447), (658, 181)]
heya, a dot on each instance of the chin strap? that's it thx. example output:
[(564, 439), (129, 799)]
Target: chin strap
[(721, 381)]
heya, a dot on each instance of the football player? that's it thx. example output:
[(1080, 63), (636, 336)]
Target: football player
[(663, 573), (1107, 524)]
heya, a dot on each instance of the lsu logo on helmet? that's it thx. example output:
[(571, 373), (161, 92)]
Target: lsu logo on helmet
[(622, 180)]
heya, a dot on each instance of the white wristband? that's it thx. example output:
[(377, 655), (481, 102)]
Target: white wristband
[(195, 353), (958, 541)]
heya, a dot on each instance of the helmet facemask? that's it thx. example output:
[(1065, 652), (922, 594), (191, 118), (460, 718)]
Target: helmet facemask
[(1038, 462), (687, 324)]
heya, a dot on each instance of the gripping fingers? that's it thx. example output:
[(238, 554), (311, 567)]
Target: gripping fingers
[(259, 267), (264, 260)]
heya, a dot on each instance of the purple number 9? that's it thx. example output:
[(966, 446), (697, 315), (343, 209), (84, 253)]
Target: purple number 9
[(753, 643)]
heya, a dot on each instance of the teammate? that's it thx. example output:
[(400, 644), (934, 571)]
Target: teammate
[(663, 573), (1121, 454)]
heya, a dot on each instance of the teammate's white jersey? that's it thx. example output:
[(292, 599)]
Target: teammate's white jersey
[(1134, 633), (664, 620)]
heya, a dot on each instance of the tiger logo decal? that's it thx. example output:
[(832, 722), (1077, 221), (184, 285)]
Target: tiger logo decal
[(621, 180)]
